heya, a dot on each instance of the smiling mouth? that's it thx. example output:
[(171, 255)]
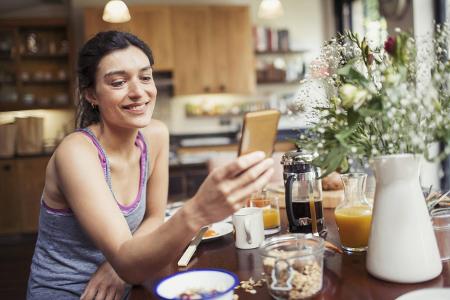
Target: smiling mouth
[(135, 106)]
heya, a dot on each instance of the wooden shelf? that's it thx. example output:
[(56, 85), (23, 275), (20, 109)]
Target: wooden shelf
[(280, 52), (43, 81), (44, 56), (47, 60), (20, 106), (7, 82), (278, 82), (6, 57)]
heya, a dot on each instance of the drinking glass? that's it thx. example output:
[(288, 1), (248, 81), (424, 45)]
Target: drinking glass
[(440, 218), (271, 210)]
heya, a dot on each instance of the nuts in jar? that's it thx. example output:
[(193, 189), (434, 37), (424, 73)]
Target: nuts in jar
[(293, 265)]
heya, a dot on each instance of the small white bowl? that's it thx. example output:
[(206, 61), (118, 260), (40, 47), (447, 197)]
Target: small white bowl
[(171, 287)]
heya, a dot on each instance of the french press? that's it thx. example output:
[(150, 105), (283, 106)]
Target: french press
[(303, 193)]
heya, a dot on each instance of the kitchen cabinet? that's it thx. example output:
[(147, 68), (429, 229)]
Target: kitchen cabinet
[(35, 64), (192, 54), (10, 198), (31, 174), (184, 180), (21, 185), (207, 49), (150, 23), (212, 49)]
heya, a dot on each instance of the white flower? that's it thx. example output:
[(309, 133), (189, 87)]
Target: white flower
[(395, 126), (390, 114), (352, 96)]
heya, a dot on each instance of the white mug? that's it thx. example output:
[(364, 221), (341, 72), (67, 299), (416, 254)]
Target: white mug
[(249, 227)]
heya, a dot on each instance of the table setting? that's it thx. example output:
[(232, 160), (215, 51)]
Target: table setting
[(371, 111), (243, 248)]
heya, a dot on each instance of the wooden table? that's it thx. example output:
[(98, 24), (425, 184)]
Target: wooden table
[(345, 276)]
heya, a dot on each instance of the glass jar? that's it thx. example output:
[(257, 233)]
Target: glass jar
[(293, 265), (354, 215)]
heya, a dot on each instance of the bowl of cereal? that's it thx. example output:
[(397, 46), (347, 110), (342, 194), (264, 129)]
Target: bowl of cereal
[(196, 284), (293, 265)]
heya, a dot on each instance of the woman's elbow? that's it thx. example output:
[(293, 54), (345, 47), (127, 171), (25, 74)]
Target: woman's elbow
[(131, 275)]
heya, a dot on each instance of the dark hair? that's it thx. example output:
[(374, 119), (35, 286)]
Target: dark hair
[(89, 57)]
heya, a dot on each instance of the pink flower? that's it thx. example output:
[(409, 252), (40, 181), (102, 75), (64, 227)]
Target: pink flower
[(389, 45), (370, 58), (319, 69)]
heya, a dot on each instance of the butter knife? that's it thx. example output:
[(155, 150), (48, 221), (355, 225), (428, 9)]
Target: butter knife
[(190, 250)]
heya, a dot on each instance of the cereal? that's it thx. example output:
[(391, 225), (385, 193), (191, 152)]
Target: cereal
[(306, 276), (249, 285)]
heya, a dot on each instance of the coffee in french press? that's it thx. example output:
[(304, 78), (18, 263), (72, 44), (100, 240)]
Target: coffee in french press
[(303, 193)]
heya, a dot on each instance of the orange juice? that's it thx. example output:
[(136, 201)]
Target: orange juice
[(354, 225), (271, 218), (259, 202)]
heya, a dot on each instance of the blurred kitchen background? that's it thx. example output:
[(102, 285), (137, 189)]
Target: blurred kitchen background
[(215, 60)]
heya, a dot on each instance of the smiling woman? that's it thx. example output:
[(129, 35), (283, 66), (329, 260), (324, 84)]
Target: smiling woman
[(124, 90), (102, 208)]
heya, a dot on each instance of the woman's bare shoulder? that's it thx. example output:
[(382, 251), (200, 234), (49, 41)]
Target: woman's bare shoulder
[(156, 132), (75, 146)]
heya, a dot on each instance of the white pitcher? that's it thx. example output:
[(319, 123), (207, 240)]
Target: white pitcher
[(402, 244)]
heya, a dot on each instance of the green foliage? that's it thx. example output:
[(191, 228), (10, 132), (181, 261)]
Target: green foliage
[(377, 107)]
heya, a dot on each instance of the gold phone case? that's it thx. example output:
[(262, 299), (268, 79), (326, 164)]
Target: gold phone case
[(259, 132)]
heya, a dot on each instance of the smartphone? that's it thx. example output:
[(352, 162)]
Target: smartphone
[(259, 132)]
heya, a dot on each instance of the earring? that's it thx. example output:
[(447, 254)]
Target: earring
[(93, 105)]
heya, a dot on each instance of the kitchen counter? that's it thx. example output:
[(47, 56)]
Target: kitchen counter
[(222, 139)]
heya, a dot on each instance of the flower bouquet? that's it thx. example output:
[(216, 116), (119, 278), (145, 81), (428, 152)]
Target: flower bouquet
[(386, 104), (378, 101)]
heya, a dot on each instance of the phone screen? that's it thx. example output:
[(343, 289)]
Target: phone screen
[(259, 132)]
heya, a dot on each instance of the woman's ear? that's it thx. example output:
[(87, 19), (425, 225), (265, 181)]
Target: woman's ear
[(89, 94)]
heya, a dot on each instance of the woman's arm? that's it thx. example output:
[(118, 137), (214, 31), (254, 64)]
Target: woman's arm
[(133, 257)]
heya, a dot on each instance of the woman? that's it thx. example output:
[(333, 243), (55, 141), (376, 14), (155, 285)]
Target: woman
[(101, 220)]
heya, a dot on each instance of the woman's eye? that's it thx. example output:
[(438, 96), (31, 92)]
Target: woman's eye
[(146, 78), (118, 83)]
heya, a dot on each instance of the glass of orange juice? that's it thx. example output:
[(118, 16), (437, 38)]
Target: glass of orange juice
[(354, 215), (271, 210)]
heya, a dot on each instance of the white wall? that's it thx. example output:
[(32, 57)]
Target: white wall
[(423, 16)]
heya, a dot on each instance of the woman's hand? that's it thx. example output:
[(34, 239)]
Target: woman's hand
[(226, 188), (104, 284)]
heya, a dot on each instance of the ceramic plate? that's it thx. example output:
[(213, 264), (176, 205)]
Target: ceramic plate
[(173, 207), (221, 228), (275, 187), (427, 294)]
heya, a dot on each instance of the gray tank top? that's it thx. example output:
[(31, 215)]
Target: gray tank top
[(65, 258)]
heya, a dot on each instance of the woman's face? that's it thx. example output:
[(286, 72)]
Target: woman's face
[(125, 91)]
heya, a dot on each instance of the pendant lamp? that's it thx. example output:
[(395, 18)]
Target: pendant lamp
[(116, 11), (270, 9)]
